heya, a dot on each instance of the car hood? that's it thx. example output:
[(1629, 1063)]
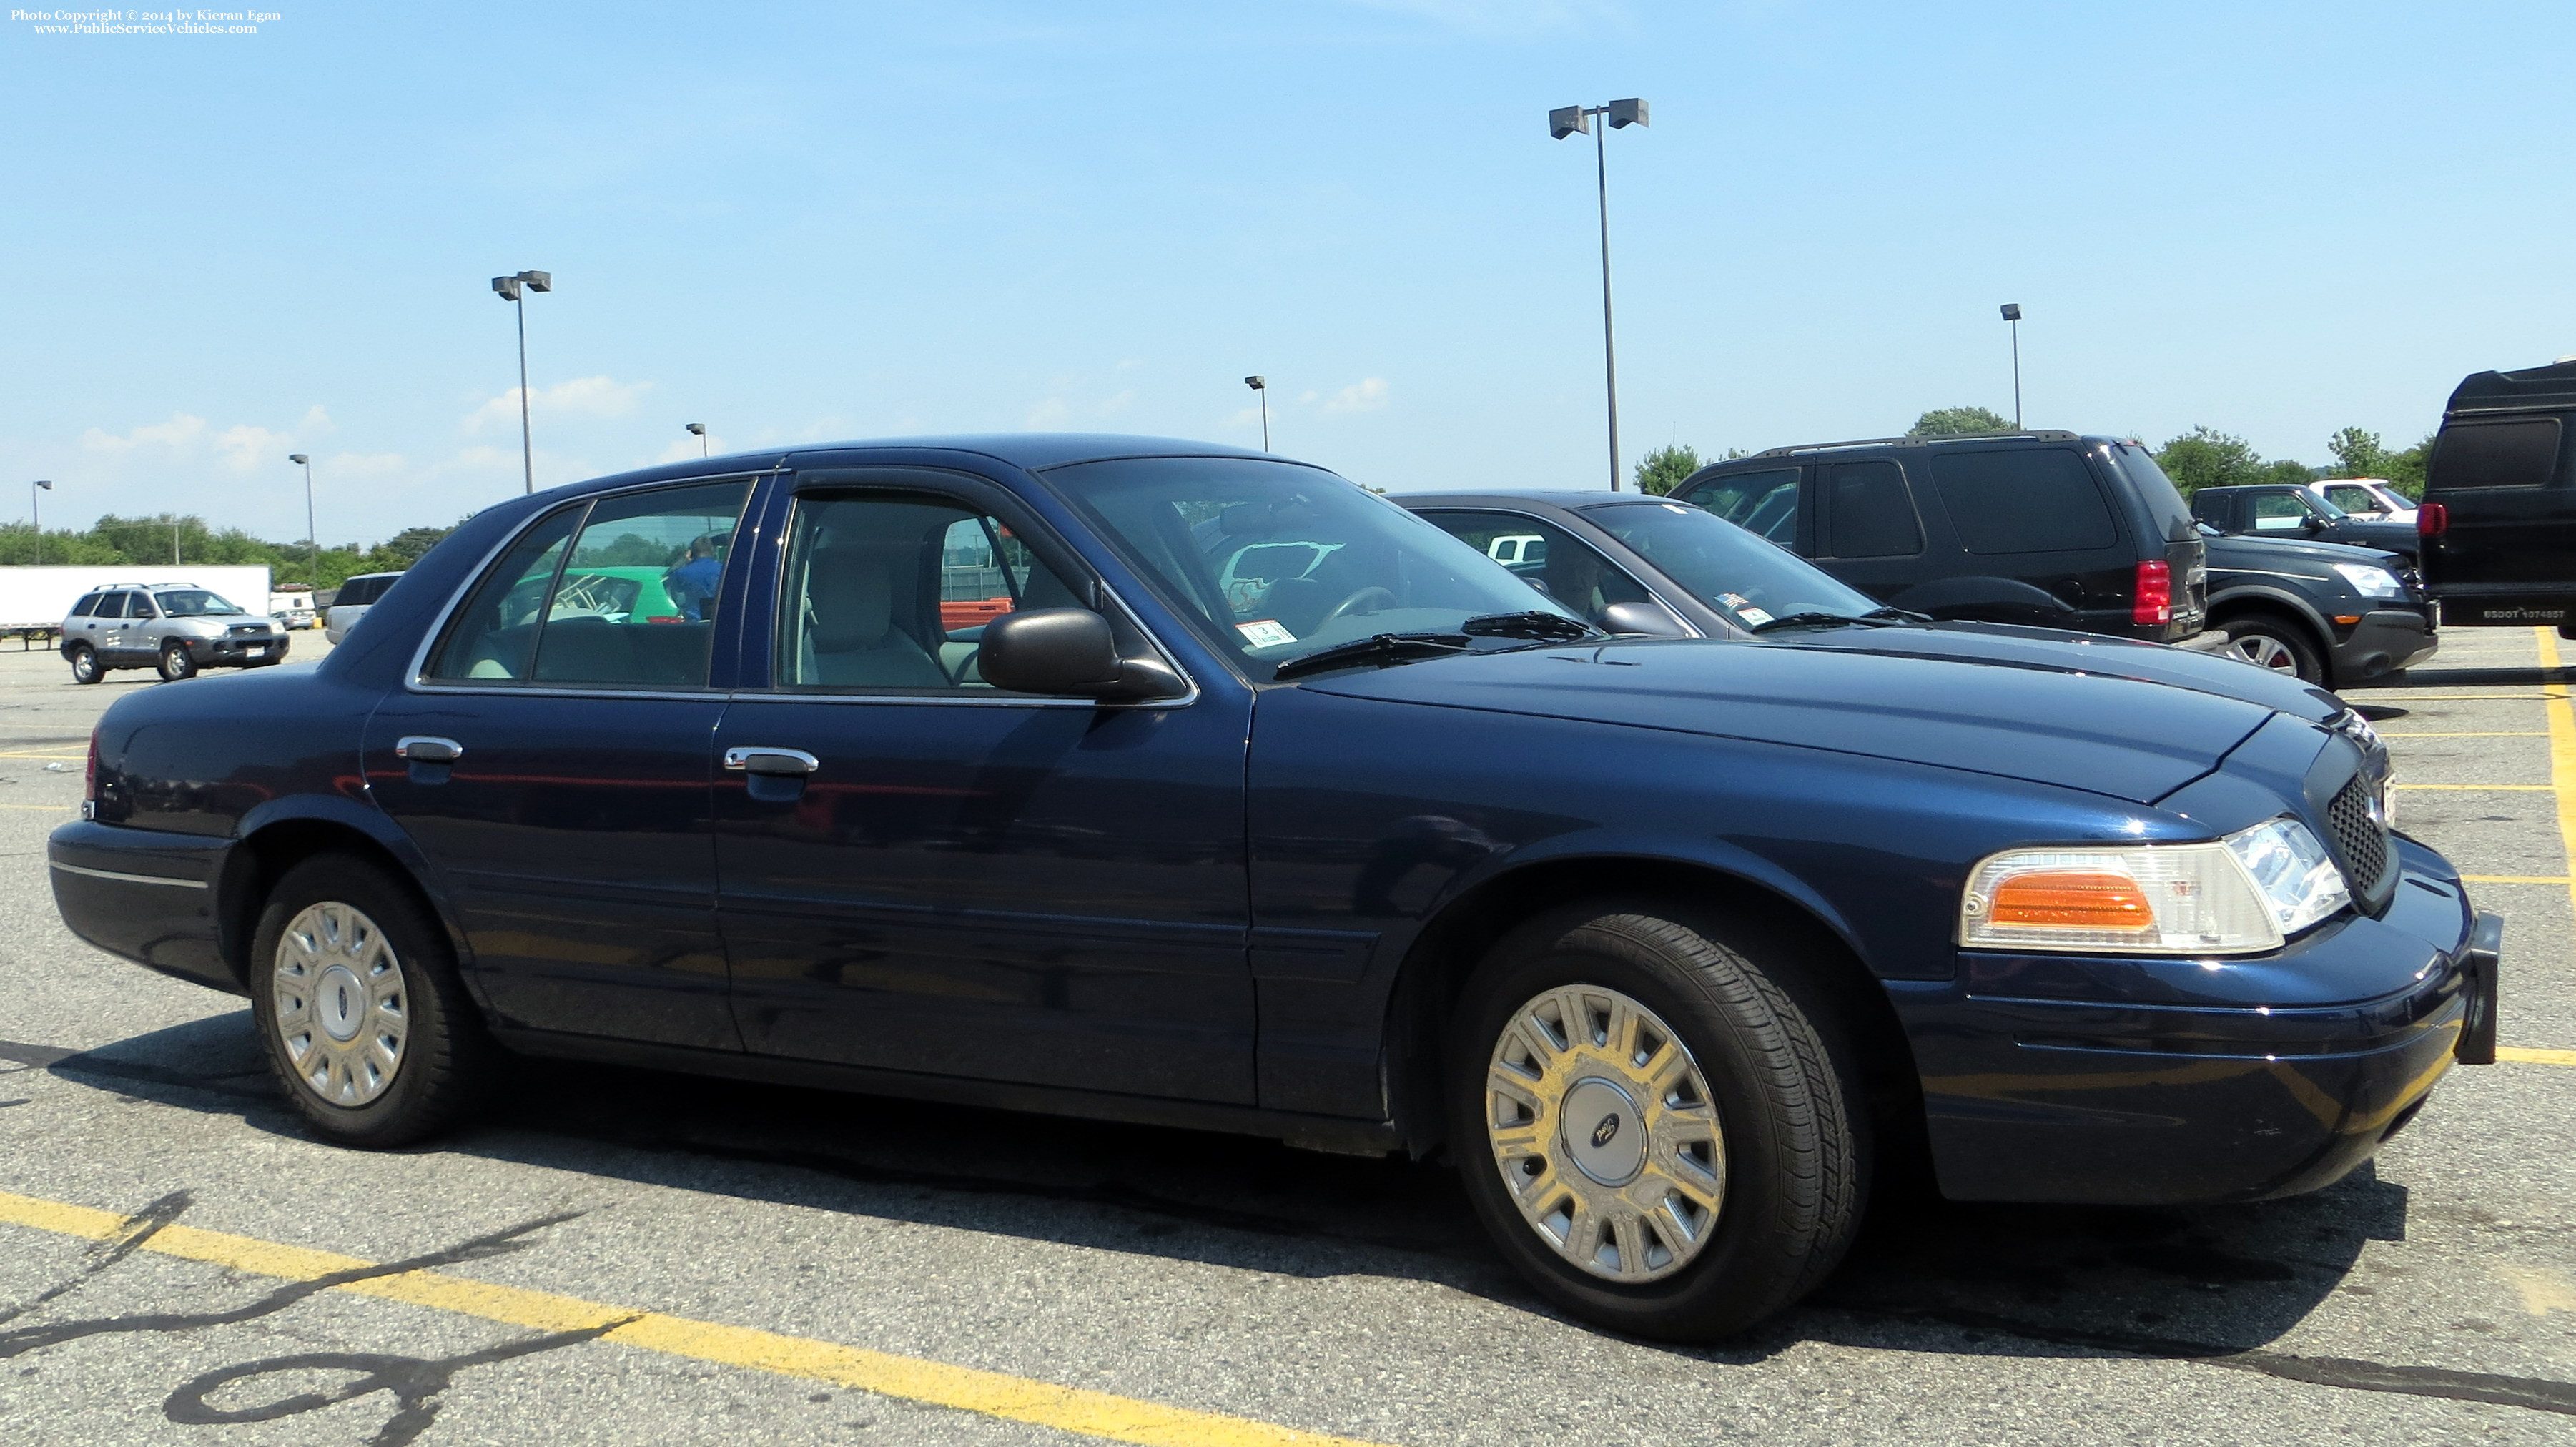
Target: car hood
[(2256, 554), (2131, 720)]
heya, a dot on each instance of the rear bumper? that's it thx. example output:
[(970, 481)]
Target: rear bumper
[(145, 894), (2143, 1095), (2506, 605), (2384, 641)]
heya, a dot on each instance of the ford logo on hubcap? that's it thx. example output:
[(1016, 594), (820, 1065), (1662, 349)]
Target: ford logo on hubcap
[(1608, 1127)]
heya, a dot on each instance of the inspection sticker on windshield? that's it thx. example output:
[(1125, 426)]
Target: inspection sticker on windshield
[(1744, 609), (1263, 632)]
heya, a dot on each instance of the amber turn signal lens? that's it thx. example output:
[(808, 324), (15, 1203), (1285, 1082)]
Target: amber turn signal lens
[(2071, 899)]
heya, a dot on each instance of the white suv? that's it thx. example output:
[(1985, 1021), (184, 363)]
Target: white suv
[(351, 603), (2366, 497), (177, 628)]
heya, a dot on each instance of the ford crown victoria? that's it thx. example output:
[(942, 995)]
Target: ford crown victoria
[(1183, 785)]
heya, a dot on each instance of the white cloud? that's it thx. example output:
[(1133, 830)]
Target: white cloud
[(580, 397), (1049, 414), (180, 431), (245, 447), (1363, 396)]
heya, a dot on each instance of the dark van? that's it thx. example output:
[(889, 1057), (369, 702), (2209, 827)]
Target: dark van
[(2499, 513), (2047, 528)]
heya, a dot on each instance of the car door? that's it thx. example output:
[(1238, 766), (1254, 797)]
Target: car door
[(1872, 532), (552, 761), (921, 873), (99, 627)]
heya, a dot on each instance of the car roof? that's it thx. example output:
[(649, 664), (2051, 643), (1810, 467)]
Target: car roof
[(1566, 499), (1029, 451)]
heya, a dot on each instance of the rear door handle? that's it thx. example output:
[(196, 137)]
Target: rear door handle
[(794, 763)]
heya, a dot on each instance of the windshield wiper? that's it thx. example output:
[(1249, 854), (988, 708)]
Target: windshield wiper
[(1879, 619), (1383, 649), (1553, 627)]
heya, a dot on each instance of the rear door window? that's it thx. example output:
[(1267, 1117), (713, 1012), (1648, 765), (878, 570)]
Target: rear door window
[(1869, 514), (2520, 453), (110, 605), (2027, 500), (1760, 502), (87, 607)]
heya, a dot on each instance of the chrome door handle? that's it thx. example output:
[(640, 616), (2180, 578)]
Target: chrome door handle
[(795, 763), (425, 749)]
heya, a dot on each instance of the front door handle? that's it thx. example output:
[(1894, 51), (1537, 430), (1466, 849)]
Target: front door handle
[(793, 763), (426, 749)]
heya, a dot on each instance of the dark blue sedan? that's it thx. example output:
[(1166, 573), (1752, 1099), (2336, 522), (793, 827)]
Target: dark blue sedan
[(1171, 783)]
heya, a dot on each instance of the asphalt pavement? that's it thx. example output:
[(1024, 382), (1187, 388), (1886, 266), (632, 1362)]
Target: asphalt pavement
[(621, 1257)]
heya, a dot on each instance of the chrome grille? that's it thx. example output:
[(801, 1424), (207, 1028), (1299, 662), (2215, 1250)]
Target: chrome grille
[(2359, 839)]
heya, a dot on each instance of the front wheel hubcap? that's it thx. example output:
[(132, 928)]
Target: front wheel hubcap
[(1605, 1134), (2269, 653), (342, 1009)]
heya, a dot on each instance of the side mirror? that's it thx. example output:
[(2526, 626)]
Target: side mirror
[(1051, 650), (2312, 524), (1651, 619)]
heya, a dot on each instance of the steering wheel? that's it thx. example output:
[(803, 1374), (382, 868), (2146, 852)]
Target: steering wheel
[(1373, 595)]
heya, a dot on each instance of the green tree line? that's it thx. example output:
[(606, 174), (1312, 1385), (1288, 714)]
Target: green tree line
[(167, 538)]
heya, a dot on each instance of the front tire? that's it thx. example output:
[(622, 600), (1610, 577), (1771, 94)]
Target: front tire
[(175, 663), (1739, 1182), (85, 664), (358, 1002)]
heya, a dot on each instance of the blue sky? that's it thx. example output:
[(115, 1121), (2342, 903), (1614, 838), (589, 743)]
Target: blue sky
[(801, 223)]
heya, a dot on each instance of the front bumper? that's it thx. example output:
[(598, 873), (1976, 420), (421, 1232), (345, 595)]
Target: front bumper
[(2150, 1082), (2384, 641), (147, 894), (255, 648)]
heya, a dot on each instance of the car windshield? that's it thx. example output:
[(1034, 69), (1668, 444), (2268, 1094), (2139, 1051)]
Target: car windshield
[(192, 603), (1745, 577), (1274, 561)]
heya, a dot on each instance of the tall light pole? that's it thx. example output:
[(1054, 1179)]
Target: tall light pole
[(509, 288), (697, 430), (36, 511), (2012, 314), (1572, 120), (312, 549), (1262, 386)]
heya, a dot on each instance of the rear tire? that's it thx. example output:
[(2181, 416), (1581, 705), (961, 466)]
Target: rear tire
[(85, 665), (1639, 1243), (359, 1005), (2281, 647), (175, 663)]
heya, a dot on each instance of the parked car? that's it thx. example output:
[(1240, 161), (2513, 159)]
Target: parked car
[(2373, 499), (2326, 613), (2045, 528), (292, 619), (2289, 510), (1664, 940), (351, 603), (2499, 512), (177, 628)]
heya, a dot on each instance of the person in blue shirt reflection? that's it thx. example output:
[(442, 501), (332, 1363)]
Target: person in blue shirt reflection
[(692, 585)]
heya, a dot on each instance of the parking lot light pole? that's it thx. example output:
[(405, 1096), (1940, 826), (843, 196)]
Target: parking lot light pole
[(511, 289), (2012, 314), (697, 430), (36, 511), (1262, 386), (1573, 120), (312, 549)]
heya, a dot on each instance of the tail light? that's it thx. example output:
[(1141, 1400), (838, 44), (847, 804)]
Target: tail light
[(2154, 599), (2432, 520), (89, 779)]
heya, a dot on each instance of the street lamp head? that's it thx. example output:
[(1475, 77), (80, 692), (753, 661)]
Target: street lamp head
[(1567, 121), (1257, 384), (507, 287), (1629, 112), (299, 459), (538, 280), (47, 486), (694, 429), (2012, 311)]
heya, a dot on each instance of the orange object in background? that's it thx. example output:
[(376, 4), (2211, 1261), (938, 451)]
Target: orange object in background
[(2072, 899), (971, 612)]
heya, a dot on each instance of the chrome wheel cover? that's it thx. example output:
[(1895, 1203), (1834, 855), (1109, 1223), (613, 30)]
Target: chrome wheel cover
[(1606, 1136), (2265, 652), (341, 1004)]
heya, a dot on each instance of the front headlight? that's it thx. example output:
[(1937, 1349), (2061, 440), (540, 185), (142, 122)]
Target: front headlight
[(2372, 582), (2240, 895)]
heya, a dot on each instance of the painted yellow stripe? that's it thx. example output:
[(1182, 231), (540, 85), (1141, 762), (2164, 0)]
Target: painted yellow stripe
[(2490, 734), (2562, 756), (2513, 879), (913, 1379), (2399, 695), (43, 808), (2483, 788), (2535, 1057)]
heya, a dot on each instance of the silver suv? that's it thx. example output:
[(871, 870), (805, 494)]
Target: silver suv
[(177, 628)]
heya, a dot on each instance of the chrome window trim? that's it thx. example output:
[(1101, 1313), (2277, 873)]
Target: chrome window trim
[(418, 680)]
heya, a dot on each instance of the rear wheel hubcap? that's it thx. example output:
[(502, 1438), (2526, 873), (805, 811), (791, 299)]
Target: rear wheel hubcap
[(1604, 1131), (341, 1004)]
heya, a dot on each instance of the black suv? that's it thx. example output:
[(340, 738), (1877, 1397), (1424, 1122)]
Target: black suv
[(2499, 511), (2046, 528), (2287, 510)]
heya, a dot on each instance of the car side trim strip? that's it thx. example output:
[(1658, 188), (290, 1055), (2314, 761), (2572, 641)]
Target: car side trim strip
[(128, 878)]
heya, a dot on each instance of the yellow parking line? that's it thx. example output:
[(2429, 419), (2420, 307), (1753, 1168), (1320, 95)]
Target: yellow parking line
[(2483, 788), (913, 1379), (42, 808), (30, 754), (2399, 695), (2562, 756), (2513, 879), (2494, 734), (2535, 1057)]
